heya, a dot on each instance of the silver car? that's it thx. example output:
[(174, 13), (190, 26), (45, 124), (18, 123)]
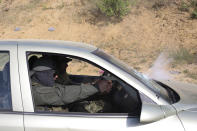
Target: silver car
[(135, 102)]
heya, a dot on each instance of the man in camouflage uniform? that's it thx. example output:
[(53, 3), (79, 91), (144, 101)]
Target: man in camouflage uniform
[(47, 92)]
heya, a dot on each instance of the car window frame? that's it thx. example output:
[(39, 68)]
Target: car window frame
[(62, 48), (82, 114)]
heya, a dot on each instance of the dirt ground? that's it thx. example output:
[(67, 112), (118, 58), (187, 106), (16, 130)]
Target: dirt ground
[(138, 39)]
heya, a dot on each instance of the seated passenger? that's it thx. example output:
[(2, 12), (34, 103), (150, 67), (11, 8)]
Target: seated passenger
[(61, 64), (47, 92)]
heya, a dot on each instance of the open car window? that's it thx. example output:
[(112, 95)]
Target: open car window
[(79, 67), (78, 87)]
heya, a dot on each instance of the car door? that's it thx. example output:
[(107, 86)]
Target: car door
[(77, 121), (11, 110)]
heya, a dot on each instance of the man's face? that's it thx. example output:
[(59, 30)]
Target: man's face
[(46, 77)]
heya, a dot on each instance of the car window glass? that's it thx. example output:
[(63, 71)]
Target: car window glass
[(62, 83), (5, 91)]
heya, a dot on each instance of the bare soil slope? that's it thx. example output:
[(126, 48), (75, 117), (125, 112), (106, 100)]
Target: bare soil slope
[(138, 39)]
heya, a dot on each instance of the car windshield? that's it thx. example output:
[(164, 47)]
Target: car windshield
[(152, 85)]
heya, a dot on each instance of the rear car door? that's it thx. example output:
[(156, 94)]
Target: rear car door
[(11, 110)]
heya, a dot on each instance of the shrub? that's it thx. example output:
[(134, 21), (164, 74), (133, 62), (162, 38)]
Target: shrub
[(117, 8), (194, 10), (184, 6), (182, 55), (193, 3), (189, 74), (192, 75), (190, 5), (194, 14), (158, 4)]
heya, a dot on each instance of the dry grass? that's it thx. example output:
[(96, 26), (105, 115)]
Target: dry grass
[(137, 40), (182, 55)]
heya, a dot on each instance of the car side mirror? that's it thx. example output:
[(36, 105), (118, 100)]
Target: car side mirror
[(151, 113)]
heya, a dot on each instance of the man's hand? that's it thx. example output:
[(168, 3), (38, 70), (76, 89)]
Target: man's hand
[(104, 86)]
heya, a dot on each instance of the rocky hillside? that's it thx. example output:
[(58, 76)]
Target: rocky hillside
[(150, 28)]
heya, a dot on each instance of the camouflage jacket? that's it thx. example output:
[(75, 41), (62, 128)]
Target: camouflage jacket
[(61, 94)]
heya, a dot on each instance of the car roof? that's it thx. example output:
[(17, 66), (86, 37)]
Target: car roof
[(51, 43)]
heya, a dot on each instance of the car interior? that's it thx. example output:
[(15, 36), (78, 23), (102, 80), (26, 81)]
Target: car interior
[(121, 99)]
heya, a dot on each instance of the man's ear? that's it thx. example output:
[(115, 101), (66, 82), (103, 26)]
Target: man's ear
[(55, 77)]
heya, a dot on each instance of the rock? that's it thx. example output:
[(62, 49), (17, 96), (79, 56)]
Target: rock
[(17, 29), (6, 9), (51, 29), (175, 72)]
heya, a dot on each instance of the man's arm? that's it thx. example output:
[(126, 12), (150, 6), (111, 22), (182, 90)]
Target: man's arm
[(72, 93)]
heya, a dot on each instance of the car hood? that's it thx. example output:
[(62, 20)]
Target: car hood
[(187, 93)]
